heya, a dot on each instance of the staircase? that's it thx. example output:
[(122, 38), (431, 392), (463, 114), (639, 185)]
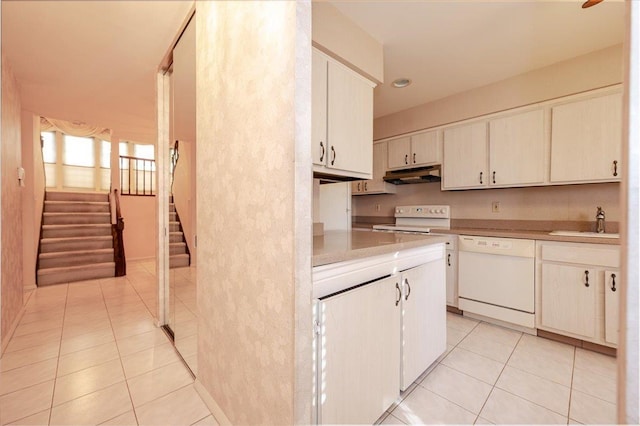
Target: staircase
[(76, 242), (178, 251)]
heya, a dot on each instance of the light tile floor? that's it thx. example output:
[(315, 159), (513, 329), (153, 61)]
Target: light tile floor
[(90, 353), (492, 375)]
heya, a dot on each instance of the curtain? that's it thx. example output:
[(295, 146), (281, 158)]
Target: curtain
[(74, 128)]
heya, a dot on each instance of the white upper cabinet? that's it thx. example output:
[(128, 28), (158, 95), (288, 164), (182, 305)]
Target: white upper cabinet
[(465, 156), (375, 185), (422, 149), (319, 108), (586, 140), (517, 149), (342, 120)]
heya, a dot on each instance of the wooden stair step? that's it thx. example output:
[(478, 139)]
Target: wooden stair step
[(48, 245), (67, 274), (74, 230), (76, 196), (179, 261), (74, 258), (76, 207), (75, 218)]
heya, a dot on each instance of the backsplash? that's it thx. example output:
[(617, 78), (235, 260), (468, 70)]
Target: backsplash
[(563, 202)]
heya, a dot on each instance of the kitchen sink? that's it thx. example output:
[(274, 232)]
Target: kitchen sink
[(583, 234)]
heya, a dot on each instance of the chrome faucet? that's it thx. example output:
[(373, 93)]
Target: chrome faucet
[(600, 221)]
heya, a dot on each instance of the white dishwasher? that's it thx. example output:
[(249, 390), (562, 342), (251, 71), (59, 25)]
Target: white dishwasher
[(496, 278)]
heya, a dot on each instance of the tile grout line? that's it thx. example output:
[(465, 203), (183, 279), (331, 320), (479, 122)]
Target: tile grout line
[(133, 407), (55, 378), (573, 369)]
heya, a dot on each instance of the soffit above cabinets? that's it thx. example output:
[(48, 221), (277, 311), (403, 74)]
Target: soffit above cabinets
[(448, 47)]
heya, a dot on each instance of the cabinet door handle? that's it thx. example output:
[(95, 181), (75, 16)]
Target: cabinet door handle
[(613, 282), (414, 158), (322, 152), (365, 187), (615, 167), (399, 294), (449, 259), (494, 176), (333, 151), (586, 278), (358, 186), (406, 281), (406, 159), (480, 177)]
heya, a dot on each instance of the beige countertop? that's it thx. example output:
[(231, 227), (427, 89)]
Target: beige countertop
[(529, 235), (542, 235), (338, 246)]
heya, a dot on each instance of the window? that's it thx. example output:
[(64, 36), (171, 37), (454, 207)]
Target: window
[(73, 162)]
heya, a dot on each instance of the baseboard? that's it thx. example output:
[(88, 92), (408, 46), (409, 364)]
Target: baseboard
[(213, 406), (14, 325)]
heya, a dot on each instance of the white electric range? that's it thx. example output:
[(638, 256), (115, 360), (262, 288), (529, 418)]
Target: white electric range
[(422, 219), (429, 219)]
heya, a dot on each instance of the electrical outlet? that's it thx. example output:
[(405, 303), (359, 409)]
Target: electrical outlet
[(377, 207), (495, 207)]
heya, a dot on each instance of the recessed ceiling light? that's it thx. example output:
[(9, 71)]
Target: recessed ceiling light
[(399, 83), (590, 3)]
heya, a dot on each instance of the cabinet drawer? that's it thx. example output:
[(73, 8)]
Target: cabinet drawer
[(606, 256)]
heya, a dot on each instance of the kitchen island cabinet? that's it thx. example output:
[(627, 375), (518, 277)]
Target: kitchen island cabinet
[(380, 319)]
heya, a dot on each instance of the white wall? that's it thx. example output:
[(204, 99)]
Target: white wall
[(140, 221)]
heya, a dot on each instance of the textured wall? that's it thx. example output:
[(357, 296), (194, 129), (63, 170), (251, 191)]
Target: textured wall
[(140, 221), (247, 168), (597, 69), (12, 287)]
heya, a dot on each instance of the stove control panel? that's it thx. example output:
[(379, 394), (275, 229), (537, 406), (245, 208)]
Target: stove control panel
[(426, 211)]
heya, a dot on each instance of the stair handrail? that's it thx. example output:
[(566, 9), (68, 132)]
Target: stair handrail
[(117, 229), (175, 155)]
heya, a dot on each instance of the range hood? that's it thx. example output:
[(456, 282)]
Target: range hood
[(419, 175)]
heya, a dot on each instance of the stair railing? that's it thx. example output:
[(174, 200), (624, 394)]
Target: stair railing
[(133, 175), (117, 226), (175, 155)]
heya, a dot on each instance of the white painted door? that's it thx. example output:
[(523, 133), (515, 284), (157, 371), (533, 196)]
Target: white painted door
[(424, 328), (426, 149), (517, 149), (586, 140), (360, 346), (611, 303), (349, 121), (335, 206), (569, 298), (399, 151), (465, 157), (318, 108)]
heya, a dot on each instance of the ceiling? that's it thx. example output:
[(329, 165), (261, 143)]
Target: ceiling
[(450, 46), (92, 61), (96, 61)]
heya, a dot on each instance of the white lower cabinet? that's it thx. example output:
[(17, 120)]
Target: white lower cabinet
[(569, 299), (424, 319), (575, 283), (360, 353), (611, 306), (377, 339)]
